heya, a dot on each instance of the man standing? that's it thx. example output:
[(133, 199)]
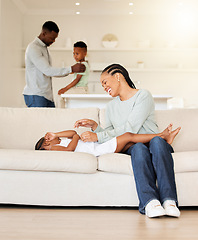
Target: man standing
[(39, 72)]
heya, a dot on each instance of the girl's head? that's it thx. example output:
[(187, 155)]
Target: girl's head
[(112, 76), (80, 51), (39, 144), (42, 144)]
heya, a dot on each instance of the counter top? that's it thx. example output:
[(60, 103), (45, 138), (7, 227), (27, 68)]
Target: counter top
[(86, 96), (104, 96), (100, 100)]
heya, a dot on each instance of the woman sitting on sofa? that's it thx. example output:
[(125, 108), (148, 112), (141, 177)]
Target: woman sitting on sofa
[(70, 141), (133, 110)]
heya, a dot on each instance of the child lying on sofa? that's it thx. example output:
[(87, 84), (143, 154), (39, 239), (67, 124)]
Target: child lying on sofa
[(70, 141)]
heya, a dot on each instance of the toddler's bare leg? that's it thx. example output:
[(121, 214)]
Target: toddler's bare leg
[(128, 139)]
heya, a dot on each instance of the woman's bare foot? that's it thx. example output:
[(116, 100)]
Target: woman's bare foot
[(172, 135)]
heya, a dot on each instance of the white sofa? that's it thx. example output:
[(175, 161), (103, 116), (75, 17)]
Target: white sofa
[(80, 179)]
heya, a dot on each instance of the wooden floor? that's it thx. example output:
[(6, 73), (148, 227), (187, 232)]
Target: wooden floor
[(28, 223)]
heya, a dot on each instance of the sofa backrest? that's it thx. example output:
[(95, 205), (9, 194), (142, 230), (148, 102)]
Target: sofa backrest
[(187, 139), (21, 128), (187, 119)]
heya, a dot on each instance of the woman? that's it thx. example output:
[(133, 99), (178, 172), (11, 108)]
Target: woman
[(133, 110)]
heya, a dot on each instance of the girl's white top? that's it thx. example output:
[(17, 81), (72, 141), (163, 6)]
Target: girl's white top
[(94, 148)]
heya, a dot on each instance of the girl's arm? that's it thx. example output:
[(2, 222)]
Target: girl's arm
[(71, 146), (72, 84), (68, 133)]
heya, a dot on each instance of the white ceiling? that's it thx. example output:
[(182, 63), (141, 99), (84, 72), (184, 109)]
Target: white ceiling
[(103, 7)]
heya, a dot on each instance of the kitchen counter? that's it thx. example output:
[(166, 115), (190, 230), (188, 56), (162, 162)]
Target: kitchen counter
[(100, 100)]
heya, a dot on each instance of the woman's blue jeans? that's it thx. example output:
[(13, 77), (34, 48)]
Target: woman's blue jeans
[(151, 164)]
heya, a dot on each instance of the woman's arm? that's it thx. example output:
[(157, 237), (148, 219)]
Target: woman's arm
[(140, 112), (86, 123), (87, 136)]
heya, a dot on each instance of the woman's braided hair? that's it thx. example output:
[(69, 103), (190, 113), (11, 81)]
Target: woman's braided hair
[(117, 68)]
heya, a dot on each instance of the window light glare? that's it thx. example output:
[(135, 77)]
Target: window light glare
[(78, 13), (130, 13), (130, 4), (77, 3)]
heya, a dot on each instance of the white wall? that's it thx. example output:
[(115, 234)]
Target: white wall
[(129, 29), (160, 30), (11, 80)]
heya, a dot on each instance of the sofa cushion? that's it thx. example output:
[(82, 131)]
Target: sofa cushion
[(121, 163), (54, 161), (185, 161), (115, 163), (21, 128)]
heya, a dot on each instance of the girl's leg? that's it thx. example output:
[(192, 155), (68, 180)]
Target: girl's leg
[(128, 139)]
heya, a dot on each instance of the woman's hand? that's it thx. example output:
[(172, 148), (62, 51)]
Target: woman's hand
[(89, 137), (86, 123), (49, 136)]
